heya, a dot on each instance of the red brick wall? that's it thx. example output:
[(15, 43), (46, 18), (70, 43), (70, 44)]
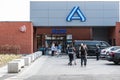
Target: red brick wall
[(111, 36), (10, 34), (112, 33), (80, 33), (117, 33)]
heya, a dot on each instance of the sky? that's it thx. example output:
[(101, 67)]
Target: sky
[(19, 10), (14, 10)]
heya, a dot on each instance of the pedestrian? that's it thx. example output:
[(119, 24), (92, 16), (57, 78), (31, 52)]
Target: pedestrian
[(74, 55), (97, 52), (56, 49), (67, 48), (70, 54), (59, 48), (53, 49), (83, 53), (43, 50)]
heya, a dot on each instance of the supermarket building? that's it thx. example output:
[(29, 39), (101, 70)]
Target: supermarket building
[(63, 22)]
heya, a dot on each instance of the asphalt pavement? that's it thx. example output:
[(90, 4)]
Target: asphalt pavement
[(56, 68)]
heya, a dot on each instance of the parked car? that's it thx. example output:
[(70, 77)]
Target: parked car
[(108, 50), (114, 56), (91, 45)]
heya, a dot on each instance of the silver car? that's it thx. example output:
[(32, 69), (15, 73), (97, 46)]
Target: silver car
[(108, 50), (114, 56)]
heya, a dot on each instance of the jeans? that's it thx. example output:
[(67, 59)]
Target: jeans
[(70, 58), (83, 60), (52, 53)]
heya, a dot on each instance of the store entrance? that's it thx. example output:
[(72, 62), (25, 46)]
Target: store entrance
[(57, 39)]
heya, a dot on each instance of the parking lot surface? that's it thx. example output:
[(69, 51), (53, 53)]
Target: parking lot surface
[(56, 68)]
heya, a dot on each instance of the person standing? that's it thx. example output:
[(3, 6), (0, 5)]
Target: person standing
[(70, 54), (67, 48), (97, 52), (59, 49), (53, 48), (83, 53), (74, 55)]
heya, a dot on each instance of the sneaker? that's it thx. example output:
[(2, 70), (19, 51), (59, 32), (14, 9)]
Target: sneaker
[(75, 63), (70, 64), (81, 65)]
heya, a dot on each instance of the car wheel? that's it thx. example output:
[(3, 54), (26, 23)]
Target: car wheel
[(116, 62)]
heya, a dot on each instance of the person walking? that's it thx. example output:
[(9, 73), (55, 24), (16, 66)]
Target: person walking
[(67, 48), (83, 53), (97, 52), (70, 54), (74, 55), (53, 48)]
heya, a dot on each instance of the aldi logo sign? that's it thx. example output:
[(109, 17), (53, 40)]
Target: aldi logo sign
[(76, 14)]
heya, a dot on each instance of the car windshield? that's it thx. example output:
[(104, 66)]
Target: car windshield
[(102, 44), (115, 48), (119, 51), (109, 48), (91, 46)]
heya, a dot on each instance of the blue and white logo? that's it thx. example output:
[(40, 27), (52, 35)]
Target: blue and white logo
[(72, 15)]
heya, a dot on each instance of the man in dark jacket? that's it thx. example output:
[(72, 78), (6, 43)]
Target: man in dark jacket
[(70, 54), (83, 53)]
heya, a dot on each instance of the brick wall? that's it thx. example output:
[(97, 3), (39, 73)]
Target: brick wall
[(10, 34), (117, 33), (80, 33)]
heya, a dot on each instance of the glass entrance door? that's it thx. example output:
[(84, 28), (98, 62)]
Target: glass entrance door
[(57, 39), (39, 41)]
